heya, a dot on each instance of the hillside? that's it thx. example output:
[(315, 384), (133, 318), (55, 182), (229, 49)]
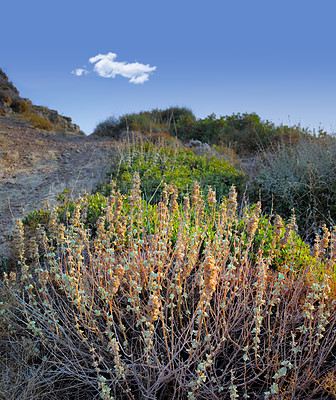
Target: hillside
[(16, 107), (41, 154)]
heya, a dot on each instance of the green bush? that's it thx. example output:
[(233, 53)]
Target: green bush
[(110, 127), (95, 205), (155, 121), (245, 133), (171, 116), (159, 164), (207, 130), (141, 122)]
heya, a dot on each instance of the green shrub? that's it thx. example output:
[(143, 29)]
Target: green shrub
[(172, 164), (207, 130), (171, 116), (155, 121), (245, 133), (141, 122), (110, 127), (94, 206)]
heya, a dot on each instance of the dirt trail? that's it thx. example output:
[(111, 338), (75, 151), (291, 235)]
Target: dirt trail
[(35, 166)]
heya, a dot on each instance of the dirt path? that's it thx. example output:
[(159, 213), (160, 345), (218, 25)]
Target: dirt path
[(35, 166)]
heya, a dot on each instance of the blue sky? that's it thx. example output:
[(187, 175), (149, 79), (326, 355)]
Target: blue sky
[(275, 58)]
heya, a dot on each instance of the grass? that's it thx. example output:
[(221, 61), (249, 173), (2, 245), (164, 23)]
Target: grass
[(183, 299)]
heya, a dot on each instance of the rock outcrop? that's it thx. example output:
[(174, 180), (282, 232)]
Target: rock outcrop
[(11, 103), (63, 123)]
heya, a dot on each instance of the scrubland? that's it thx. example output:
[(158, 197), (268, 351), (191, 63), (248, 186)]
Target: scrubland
[(183, 276)]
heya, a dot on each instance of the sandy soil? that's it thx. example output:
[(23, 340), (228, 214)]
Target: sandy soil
[(35, 166)]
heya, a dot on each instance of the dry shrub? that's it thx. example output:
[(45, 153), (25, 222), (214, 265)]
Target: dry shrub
[(39, 122), (303, 177), (171, 302)]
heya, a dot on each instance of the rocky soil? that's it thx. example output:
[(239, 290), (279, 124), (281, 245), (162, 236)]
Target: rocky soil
[(35, 166)]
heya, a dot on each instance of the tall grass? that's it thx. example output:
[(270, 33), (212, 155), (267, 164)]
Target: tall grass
[(180, 300)]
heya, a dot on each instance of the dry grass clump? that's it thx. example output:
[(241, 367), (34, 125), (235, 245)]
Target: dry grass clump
[(171, 301), (39, 122)]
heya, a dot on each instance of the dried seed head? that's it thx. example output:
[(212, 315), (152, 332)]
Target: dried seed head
[(75, 219), (33, 249), (116, 275), (84, 212), (210, 275), (118, 206), (101, 231), (290, 229), (211, 196), (153, 308), (232, 205), (196, 198), (173, 199), (60, 233), (317, 246), (186, 204), (252, 223), (292, 223), (332, 256), (135, 195), (112, 185), (121, 226), (278, 226), (165, 195), (18, 240), (52, 226), (222, 216), (41, 236), (325, 237)]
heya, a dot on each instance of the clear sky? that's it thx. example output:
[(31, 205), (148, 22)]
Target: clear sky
[(93, 59)]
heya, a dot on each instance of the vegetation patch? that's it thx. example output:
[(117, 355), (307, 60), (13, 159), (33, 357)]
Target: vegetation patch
[(300, 177), (165, 283), (171, 163), (175, 300)]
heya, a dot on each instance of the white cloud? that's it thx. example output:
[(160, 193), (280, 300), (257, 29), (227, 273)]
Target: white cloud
[(80, 71), (105, 65)]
